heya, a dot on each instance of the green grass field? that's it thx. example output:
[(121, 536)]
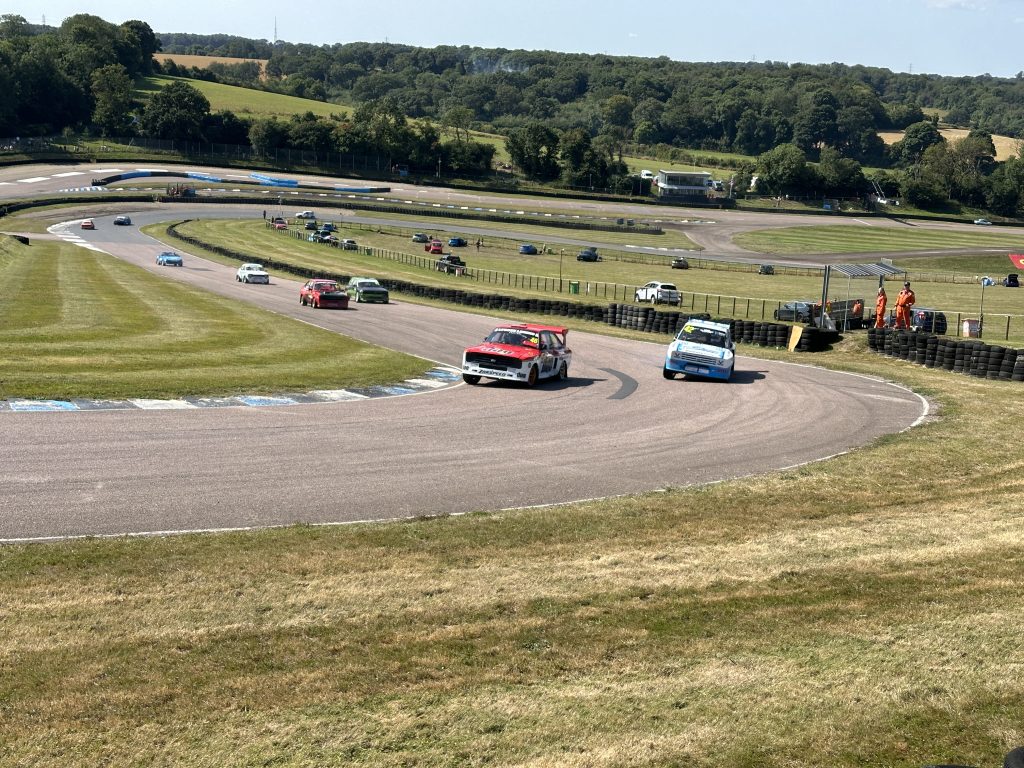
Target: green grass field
[(842, 238), (244, 101), (863, 611), (106, 329)]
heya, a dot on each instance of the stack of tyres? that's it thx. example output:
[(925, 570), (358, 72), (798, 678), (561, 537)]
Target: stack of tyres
[(922, 348), (949, 354), (761, 334), (1018, 367), (904, 340), (873, 339), (961, 355), (931, 347), (995, 361), (613, 309), (748, 332), (1009, 361), (979, 360)]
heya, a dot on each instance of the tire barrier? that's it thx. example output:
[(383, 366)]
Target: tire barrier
[(638, 317), (967, 356)]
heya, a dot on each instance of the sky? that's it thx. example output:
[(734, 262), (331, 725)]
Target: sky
[(946, 37)]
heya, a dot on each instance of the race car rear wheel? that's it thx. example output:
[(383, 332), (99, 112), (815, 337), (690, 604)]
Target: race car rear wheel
[(668, 374), (563, 372), (531, 378), (469, 378)]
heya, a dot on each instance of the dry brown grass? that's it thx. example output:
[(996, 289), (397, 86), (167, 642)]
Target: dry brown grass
[(1006, 146), (188, 60), (862, 611)]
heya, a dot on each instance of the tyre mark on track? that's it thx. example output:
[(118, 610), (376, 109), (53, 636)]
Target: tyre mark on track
[(627, 386)]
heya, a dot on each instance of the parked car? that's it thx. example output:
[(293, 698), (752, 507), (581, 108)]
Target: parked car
[(701, 348), (795, 311), (646, 175), (169, 259), (323, 294), (983, 222), (367, 289), (420, 237), (766, 269), (658, 292), (88, 224), (280, 225), (348, 245), (526, 353), (588, 254), (278, 220), (457, 242), (305, 215), (528, 249), (311, 224), (321, 237), (252, 273), (328, 227), (928, 320), (450, 264), (434, 246), (680, 262), (1011, 281), (123, 221)]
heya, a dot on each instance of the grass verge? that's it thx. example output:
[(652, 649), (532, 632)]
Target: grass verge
[(106, 329), (860, 611), (838, 238)]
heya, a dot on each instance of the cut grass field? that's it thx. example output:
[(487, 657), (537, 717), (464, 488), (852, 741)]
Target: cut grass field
[(860, 611), (102, 328), (840, 238), (1006, 146), (244, 101)]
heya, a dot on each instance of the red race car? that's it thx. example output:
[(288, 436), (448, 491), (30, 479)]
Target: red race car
[(323, 294), (526, 353)]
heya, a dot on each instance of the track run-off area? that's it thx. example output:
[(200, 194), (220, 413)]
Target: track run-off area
[(616, 426)]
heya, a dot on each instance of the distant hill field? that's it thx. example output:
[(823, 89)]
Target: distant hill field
[(244, 101), (1006, 146), (188, 60)]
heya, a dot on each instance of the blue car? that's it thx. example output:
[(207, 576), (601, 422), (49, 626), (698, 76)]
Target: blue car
[(528, 249), (457, 242), (169, 259)]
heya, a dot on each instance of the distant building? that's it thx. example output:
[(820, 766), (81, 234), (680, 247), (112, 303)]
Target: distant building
[(683, 183)]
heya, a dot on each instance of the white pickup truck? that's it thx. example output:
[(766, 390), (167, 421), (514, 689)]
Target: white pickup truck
[(657, 292)]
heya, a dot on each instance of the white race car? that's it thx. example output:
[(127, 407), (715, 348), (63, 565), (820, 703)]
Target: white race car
[(252, 273), (703, 349)]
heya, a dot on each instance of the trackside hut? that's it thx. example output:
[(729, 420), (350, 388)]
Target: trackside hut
[(692, 184)]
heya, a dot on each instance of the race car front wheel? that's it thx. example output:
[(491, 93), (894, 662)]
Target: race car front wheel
[(531, 378), (469, 378), (668, 374), (563, 372)]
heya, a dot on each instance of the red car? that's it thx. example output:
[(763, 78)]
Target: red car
[(515, 352), (434, 246), (323, 294), (280, 225), (88, 224)]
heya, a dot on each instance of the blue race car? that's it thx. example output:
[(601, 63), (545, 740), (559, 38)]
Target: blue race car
[(169, 259), (702, 349), (528, 249)]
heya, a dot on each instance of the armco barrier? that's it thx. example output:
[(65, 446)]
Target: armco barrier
[(631, 316), (968, 356)]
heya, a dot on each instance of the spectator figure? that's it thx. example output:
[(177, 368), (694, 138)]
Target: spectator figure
[(880, 304), (904, 303), (479, 242), (264, 215)]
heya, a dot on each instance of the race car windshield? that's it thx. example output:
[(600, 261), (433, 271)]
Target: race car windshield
[(702, 336), (514, 338)]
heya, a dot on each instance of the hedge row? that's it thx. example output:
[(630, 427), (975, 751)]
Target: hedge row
[(630, 316), (967, 356)]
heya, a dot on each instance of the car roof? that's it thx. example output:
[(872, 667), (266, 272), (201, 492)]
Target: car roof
[(536, 328), (724, 327)]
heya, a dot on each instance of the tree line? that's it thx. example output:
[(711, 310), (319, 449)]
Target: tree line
[(566, 117)]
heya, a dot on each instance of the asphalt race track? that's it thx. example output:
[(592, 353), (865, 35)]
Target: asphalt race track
[(615, 427)]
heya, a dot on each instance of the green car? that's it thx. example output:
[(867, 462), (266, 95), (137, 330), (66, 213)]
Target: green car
[(366, 289)]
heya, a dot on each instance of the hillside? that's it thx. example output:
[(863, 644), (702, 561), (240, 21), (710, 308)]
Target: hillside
[(244, 101)]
